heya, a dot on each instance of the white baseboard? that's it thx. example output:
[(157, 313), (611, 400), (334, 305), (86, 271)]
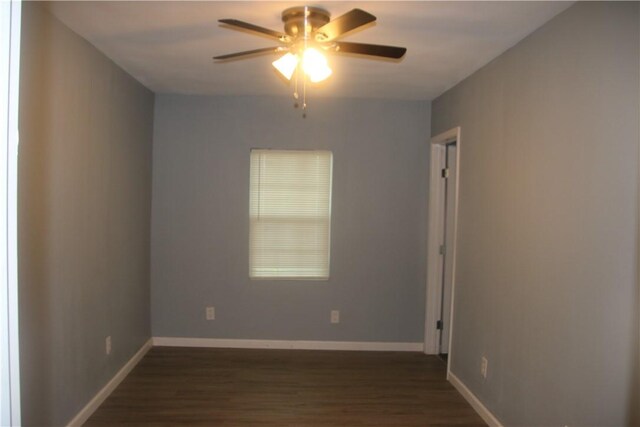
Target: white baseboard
[(287, 344), (475, 403), (101, 396)]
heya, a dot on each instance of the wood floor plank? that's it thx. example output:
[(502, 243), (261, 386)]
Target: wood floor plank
[(238, 387)]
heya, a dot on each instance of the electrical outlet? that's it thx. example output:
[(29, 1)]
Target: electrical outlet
[(484, 365), (107, 345), (211, 313), (335, 316)]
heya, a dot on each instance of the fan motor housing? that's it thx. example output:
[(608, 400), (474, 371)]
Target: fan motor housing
[(293, 19)]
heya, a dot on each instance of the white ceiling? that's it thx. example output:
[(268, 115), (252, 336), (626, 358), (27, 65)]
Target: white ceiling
[(168, 45)]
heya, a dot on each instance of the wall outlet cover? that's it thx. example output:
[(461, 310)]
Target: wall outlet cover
[(335, 316), (211, 313), (484, 365)]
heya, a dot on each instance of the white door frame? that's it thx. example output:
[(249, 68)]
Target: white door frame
[(10, 16), (435, 238)]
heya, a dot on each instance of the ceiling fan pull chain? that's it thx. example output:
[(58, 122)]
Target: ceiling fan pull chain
[(304, 76), (304, 97), (295, 89)]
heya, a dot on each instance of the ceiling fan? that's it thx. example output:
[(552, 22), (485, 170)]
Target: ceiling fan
[(308, 33)]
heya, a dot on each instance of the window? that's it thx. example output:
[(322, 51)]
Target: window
[(290, 214)]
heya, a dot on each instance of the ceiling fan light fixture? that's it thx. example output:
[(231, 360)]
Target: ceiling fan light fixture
[(314, 64), (309, 33), (286, 65)]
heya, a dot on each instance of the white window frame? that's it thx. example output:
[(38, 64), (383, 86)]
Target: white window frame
[(252, 274)]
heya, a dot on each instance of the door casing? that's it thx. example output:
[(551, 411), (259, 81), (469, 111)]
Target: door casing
[(435, 237)]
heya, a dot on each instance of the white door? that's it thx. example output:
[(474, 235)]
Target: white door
[(447, 259)]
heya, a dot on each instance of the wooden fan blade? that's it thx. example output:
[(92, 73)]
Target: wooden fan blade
[(371, 49), (343, 24), (255, 28), (249, 52)]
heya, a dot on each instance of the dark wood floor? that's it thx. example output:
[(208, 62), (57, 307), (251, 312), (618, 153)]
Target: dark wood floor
[(229, 387)]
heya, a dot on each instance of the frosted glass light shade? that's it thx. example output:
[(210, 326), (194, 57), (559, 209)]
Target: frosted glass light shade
[(315, 65), (286, 65)]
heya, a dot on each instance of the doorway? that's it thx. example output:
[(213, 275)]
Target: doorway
[(441, 242)]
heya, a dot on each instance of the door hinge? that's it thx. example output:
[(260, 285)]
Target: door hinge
[(445, 173), (439, 325)]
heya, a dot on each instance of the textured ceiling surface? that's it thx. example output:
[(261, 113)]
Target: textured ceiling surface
[(168, 45)]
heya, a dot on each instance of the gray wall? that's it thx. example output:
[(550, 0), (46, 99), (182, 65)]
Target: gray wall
[(546, 276), (200, 223), (84, 211)]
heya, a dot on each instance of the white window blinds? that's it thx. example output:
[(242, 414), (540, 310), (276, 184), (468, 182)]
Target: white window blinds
[(290, 214)]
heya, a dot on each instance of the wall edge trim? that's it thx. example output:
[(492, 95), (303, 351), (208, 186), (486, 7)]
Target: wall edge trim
[(287, 344), (97, 400), (473, 400)]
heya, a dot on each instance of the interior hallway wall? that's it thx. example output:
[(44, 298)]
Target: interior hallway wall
[(548, 223), (84, 202)]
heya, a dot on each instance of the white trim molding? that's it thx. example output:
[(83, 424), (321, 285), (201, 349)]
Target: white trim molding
[(102, 395), (475, 403), (287, 344), (10, 21)]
